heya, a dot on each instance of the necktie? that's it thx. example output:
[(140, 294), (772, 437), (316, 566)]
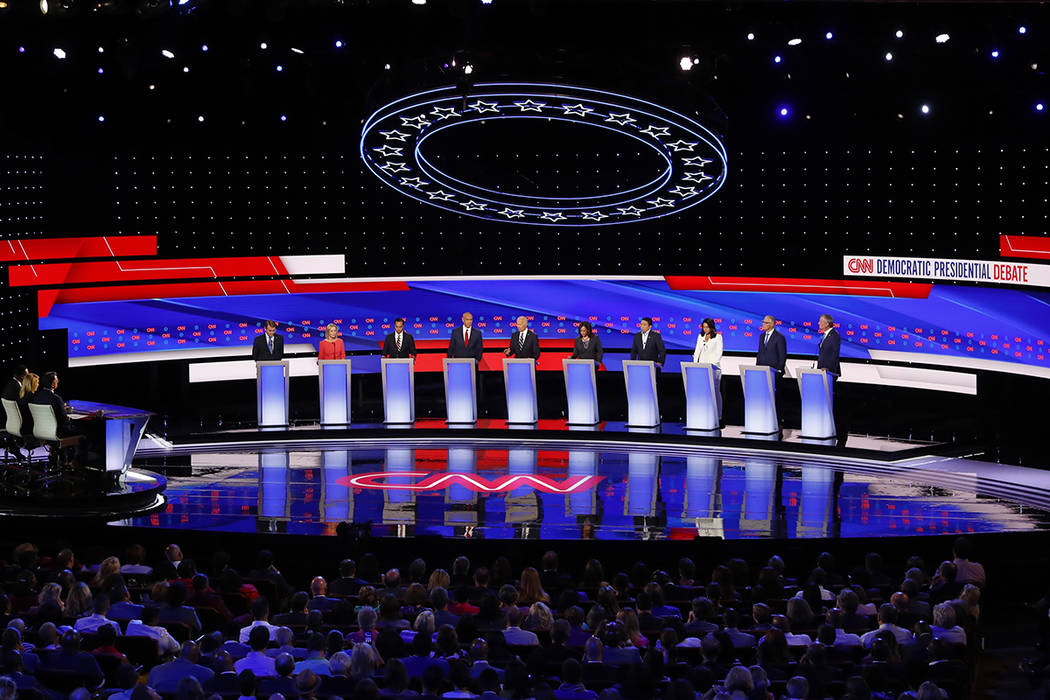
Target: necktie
[(466, 336), (398, 336), (521, 340), (269, 342)]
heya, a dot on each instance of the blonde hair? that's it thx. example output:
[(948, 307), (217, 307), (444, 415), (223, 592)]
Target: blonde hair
[(438, 579), (30, 385), (108, 567), (331, 327), (79, 601)]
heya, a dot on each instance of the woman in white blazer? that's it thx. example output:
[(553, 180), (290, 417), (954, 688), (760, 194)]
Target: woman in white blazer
[(709, 349)]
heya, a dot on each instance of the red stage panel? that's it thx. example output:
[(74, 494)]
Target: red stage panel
[(1025, 247), (869, 288), (139, 270), (21, 249)]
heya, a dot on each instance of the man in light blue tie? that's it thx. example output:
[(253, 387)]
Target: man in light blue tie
[(269, 345)]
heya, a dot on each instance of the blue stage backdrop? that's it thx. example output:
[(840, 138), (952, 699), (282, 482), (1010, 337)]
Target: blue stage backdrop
[(970, 324)]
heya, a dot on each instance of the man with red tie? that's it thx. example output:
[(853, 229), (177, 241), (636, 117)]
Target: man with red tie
[(399, 344), (466, 341)]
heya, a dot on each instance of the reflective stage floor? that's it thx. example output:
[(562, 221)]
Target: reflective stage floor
[(573, 489)]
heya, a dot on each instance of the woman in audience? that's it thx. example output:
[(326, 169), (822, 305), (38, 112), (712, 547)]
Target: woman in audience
[(79, 602), (799, 614), (944, 626), (439, 578), (629, 619), (531, 590), (363, 661), (540, 618), (446, 644), (423, 624), (366, 623), (108, 567), (593, 576), (395, 681), (415, 597), (50, 607)]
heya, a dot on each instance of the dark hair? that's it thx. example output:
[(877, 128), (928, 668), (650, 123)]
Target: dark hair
[(399, 319), (647, 320), (259, 638), (150, 615), (962, 547), (176, 594), (588, 326), (48, 379), (260, 608), (19, 370), (269, 323), (246, 682), (347, 568), (710, 324)]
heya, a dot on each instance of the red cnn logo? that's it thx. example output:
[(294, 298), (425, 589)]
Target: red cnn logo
[(860, 265), (433, 482)]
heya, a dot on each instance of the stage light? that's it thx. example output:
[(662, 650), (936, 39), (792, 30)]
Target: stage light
[(776, 59), (685, 63), (279, 68), (284, 118), (888, 56), (100, 71), (43, 7), (1039, 106), (386, 66), (298, 51), (21, 49), (468, 69), (204, 48), (101, 118), (419, 2), (185, 69), (1022, 29), (784, 112), (152, 87), (829, 35), (925, 109), (942, 38), (750, 36), (101, 50), (167, 54), (899, 34), (338, 44), (263, 46), (995, 53), (200, 118), (59, 54), (486, 2), (794, 42)]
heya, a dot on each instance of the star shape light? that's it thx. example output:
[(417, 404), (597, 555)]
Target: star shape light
[(393, 166), (482, 106), (513, 213), (657, 131), (441, 195), (682, 191), (444, 112), (621, 119), (475, 206), (416, 122), (530, 106), (553, 216), (697, 177), (629, 211), (660, 202), (696, 161), (413, 182), (593, 216), (681, 145), (387, 150), (395, 135), (578, 110)]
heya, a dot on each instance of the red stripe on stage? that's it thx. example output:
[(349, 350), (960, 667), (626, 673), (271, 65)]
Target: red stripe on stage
[(140, 270), (176, 290), (784, 285), (22, 249), (1024, 247)]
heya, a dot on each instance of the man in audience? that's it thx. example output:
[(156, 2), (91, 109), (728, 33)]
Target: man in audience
[(165, 678), (422, 659), (439, 602), (348, 583), (571, 687), (479, 656), (797, 688), (285, 640), (70, 659), (168, 569), (121, 608), (283, 682), (462, 605), (481, 589), (91, 623), (201, 595), (174, 610), (731, 623), (944, 627), (593, 669), (296, 615), (319, 599), (266, 569), (260, 612), (915, 604), (514, 634), (256, 660), (432, 679), (966, 571), (148, 627), (887, 621), (133, 562), (315, 660)]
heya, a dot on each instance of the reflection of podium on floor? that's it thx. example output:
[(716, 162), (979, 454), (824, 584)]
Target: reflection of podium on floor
[(760, 402)]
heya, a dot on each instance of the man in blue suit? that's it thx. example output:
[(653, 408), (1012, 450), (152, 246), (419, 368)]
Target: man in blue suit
[(828, 348), (772, 347), (466, 340)]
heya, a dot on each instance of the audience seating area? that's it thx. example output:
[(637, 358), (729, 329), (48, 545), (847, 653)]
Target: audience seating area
[(174, 624)]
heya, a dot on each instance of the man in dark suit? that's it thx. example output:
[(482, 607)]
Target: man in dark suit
[(46, 396), (14, 384), (648, 345), (828, 348), (772, 347), (269, 345), (70, 659), (524, 342), (466, 340), (399, 344)]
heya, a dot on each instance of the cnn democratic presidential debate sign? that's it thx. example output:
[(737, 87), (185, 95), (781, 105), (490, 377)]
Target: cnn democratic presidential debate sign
[(983, 271)]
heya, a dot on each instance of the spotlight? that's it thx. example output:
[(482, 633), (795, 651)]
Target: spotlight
[(167, 54), (101, 50), (284, 118), (338, 44), (21, 49), (942, 38), (298, 51), (101, 118), (279, 68), (829, 35), (386, 66), (185, 69), (995, 53), (152, 87), (43, 7), (685, 63), (1022, 29), (100, 71), (776, 59), (468, 69), (1039, 106), (899, 34), (888, 56), (750, 36), (263, 46), (784, 112), (794, 42), (204, 48), (200, 118), (419, 2), (59, 54), (925, 109), (486, 2)]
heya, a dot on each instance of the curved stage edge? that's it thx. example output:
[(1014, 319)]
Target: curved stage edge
[(135, 493), (945, 466)]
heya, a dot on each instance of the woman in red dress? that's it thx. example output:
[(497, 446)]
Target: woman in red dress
[(332, 346)]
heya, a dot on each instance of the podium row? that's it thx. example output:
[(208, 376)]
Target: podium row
[(702, 392)]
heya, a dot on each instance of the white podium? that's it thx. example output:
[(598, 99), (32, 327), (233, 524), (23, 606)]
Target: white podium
[(519, 378), (643, 411), (818, 417), (272, 393), (461, 403), (333, 377), (760, 406), (399, 390), (703, 398), (581, 391)]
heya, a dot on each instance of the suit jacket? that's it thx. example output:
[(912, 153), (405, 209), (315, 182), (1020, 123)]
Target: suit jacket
[(260, 351), (531, 348), (11, 389), (593, 351), (474, 348), (654, 348), (828, 352), (46, 397), (774, 353), (408, 345)]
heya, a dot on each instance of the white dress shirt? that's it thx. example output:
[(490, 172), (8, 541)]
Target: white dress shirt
[(708, 350), (645, 339)]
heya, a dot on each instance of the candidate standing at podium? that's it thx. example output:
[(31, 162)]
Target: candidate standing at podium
[(269, 345), (466, 340), (524, 342), (587, 345), (332, 347), (772, 347), (399, 345), (828, 348), (709, 350), (648, 345)]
